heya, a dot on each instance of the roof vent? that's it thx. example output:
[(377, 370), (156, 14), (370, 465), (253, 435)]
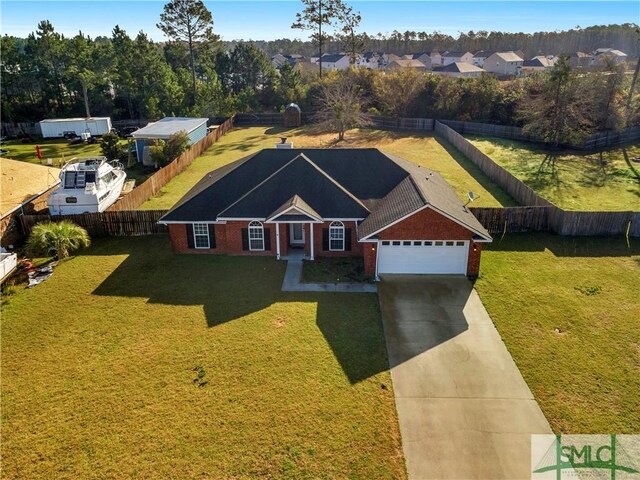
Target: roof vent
[(284, 144)]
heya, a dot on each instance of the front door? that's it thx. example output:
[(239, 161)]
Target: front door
[(296, 233)]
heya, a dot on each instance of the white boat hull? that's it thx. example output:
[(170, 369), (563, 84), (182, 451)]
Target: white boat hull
[(59, 201)]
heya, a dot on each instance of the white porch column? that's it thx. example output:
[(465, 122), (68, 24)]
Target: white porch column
[(277, 241), (311, 239)]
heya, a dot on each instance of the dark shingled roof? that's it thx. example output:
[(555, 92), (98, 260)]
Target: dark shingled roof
[(328, 183), (423, 187), (299, 176), (455, 54), (332, 57)]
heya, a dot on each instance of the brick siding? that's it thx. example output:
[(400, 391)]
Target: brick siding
[(424, 225)]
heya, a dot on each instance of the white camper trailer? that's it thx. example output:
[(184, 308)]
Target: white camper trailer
[(57, 127)]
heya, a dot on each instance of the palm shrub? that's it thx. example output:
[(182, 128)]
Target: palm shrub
[(57, 239)]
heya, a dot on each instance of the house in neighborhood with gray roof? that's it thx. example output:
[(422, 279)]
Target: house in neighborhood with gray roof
[(459, 69), (403, 63), (460, 57), (335, 61), (422, 57), (370, 60), (580, 60), (479, 57), (609, 53), (504, 64), (399, 217), (539, 63)]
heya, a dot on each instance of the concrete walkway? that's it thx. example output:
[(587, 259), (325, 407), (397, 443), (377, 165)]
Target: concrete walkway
[(463, 407), (293, 275)]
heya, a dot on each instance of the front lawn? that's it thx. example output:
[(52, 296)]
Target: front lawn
[(421, 148), (132, 362), (603, 181), (568, 310), (335, 270)]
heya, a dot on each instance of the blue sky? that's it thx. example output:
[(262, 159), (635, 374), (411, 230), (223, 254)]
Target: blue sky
[(268, 19)]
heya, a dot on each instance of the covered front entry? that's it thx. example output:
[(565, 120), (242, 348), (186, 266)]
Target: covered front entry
[(296, 235), (423, 256)]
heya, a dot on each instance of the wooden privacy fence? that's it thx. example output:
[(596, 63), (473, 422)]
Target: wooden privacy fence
[(425, 124), (537, 214), (513, 219), (118, 223), (246, 119), (488, 130), (155, 182), (505, 180), (554, 219)]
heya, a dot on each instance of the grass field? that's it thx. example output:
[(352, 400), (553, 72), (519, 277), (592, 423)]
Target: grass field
[(420, 148), (61, 151), (586, 377), (573, 181), (132, 362)]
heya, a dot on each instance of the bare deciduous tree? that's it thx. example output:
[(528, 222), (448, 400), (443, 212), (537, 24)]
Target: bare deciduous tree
[(341, 106)]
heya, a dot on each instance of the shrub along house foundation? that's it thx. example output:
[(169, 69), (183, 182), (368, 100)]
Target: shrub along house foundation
[(401, 218)]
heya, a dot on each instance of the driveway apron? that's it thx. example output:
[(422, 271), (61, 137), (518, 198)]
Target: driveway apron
[(464, 409)]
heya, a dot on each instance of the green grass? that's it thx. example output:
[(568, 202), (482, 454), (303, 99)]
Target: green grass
[(133, 362), (335, 270), (423, 149), (58, 150), (61, 151), (573, 181), (586, 377)]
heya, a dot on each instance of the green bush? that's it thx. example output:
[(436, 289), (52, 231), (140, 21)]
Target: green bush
[(57, 240)]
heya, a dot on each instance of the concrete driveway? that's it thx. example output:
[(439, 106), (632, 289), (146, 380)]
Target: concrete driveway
[(464, 409)]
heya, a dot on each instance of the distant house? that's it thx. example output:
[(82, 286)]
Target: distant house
[(616, 55), (335, 61), (581, 60), (479, 57), (539, 63), (459, 57), (390, 57), (370, 60), (459, 69), (425, 58), (196, 129), (403, 63), (503, 63), (436, 58), (279, 59)]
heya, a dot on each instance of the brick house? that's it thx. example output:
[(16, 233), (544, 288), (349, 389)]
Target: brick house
[(401, 218)]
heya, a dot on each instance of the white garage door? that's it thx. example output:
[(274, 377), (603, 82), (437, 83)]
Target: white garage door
[(423, 256)]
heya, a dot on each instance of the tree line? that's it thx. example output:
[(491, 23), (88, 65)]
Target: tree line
[(561, 106), (623, 37), (48, 75)]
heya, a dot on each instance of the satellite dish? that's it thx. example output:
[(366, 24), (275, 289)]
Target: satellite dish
[(472, 197)]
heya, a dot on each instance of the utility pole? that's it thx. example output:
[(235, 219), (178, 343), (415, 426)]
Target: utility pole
[(320, 38)]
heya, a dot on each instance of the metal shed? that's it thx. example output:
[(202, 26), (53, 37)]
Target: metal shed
[(196, 129), (56, 127)]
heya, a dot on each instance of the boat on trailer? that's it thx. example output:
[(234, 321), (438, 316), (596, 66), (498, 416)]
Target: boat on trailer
[(87, 186)]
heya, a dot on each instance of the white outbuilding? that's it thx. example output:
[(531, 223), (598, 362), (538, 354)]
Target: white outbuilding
[(57, 127)]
